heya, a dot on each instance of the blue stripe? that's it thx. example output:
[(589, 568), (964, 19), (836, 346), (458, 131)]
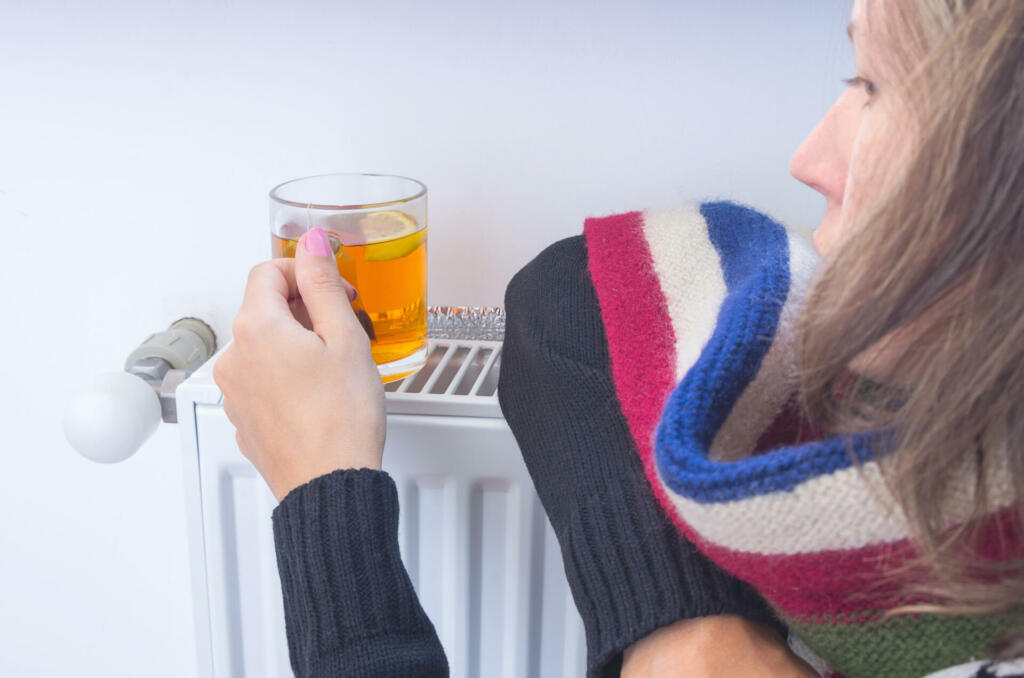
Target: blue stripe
[(754, 254)]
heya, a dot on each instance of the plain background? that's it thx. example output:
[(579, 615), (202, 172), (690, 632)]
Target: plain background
[(138, 141)]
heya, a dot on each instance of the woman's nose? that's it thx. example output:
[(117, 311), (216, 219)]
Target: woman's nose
[(822, 160)]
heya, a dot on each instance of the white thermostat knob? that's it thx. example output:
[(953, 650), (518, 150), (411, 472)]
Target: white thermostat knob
[(108, 420)]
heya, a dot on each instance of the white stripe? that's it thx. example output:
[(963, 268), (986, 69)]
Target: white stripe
[(846, 509), (690, 273), (834, 511), (776, 379)]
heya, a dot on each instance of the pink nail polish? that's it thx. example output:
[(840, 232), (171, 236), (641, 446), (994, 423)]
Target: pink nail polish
[(317, 243)]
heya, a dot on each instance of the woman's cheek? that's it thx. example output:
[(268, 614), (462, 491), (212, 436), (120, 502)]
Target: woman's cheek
[(865, 179), (881, 152)]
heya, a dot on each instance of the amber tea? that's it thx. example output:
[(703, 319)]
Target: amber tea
[(384, 255)]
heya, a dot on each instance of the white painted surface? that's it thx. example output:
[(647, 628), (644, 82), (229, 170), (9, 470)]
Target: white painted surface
[(137, 143)]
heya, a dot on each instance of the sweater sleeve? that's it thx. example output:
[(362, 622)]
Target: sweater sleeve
[(629, 570), (349, 606)]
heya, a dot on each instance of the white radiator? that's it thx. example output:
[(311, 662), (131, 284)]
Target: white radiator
[(472, 532)]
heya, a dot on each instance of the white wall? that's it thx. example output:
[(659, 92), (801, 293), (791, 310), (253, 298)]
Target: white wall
[(138, 141)]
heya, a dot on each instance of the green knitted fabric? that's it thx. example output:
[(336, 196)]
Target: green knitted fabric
[(908, 646)]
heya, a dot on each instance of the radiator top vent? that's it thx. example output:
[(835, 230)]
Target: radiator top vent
[(460, 376)]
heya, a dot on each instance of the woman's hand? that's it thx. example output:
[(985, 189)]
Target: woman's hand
[(299, 383), (721, 646)]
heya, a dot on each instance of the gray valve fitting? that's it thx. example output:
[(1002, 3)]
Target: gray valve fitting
[(185, 345), (165, 359)]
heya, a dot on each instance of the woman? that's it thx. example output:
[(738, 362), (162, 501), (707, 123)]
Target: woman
[(912, 328)]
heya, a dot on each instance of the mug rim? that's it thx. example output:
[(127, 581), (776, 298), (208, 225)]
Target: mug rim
[(420, 192)]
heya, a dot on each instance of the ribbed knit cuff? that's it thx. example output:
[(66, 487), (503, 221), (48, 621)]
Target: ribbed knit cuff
[(632, 574), (350, 608)]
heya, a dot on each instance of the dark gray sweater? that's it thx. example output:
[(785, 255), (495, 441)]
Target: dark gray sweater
[(350, 609)]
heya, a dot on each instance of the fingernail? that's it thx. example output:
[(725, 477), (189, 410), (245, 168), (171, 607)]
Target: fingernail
[(317, 243), (352, 292)]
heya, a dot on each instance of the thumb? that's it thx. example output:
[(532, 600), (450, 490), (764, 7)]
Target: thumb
[(324, 292)]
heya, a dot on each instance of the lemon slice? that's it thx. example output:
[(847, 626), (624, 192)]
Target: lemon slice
[(390, 235)]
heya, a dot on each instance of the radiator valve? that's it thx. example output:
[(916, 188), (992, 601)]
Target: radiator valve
[(109, 419)]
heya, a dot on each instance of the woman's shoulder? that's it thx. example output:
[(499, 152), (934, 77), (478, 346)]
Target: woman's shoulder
[(552, 309), (560, 265)]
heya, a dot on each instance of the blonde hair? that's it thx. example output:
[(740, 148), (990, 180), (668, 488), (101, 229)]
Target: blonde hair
[(933, 271)]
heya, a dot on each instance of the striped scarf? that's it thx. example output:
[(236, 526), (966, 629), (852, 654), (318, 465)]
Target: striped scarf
[(700, 306)]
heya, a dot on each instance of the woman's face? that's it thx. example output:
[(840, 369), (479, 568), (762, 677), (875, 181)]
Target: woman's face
[(843, 156)]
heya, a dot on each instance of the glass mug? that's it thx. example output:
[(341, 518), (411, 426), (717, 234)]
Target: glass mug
[(377, 226)]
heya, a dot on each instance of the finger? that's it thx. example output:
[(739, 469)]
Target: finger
[(298, 308), (270, 286), (300, 313), (351, 291), (325, 294)]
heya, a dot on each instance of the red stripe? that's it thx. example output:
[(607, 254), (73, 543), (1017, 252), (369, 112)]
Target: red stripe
[(641, 342), (809, 585)]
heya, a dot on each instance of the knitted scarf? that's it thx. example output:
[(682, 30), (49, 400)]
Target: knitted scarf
[(699, 306)]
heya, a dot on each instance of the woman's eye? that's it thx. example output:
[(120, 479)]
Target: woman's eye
[(857, 81)]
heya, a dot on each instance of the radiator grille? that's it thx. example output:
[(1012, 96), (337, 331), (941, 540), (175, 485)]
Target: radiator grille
[(460, 376)]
